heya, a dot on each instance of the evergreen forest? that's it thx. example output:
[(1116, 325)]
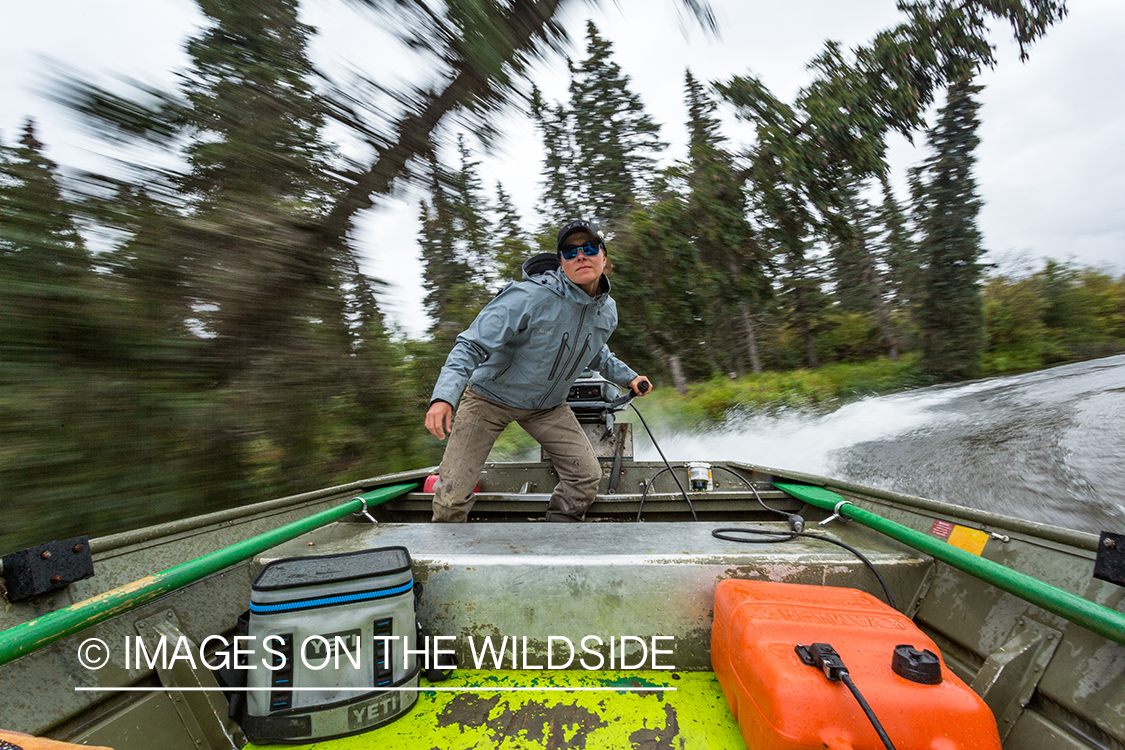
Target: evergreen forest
[(193, 329)]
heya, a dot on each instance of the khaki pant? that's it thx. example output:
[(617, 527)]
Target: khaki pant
[(479, 422)]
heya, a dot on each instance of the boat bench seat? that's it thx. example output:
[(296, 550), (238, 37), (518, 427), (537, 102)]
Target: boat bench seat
[(531, 581)]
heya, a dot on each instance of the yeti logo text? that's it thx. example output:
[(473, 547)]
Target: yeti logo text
[(318, 651), (373, 712)]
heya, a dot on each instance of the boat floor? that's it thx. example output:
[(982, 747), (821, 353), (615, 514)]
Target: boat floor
[(533, 710), (537, 581)]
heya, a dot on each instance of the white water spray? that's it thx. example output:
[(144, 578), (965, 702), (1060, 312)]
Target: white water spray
[(1045, 446), (801, 440)]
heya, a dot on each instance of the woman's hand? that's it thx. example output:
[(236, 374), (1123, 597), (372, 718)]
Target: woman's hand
[(439, 419)]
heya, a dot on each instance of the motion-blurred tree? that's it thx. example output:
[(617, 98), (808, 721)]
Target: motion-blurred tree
[(45, 269), (453, 288), (662, 288), (896, 249), (257, 175), (50, 332), (1058, 314), (474, 241), (1013, 318), (859, 286), (1083, 308), (560, 195)]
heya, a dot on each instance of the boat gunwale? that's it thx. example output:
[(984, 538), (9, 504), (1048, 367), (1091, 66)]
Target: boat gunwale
[(153, 533), (1080, 539)]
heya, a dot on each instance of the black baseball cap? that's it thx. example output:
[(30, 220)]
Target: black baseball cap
[(579, 225)]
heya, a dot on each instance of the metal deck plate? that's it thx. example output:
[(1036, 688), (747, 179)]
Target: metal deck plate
[(691, 715)]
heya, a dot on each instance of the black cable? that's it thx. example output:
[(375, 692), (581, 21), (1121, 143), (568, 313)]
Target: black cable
[(644, 492), (691, 507), (753, 489), (825, 658), (796, 523), (786, 536), (847, 680)]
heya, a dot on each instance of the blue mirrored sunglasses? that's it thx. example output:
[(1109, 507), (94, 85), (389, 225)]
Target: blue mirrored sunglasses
[(589, 250)]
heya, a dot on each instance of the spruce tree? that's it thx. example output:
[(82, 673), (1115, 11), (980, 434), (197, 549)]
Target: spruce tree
[(60, 400), (257, 176), (614, 139), (896, 249), (728, 249), (787, 227), (509, 242), (471, 233), (451, 288), (560, 196), (951, 318), (836, 128), (663, 292), (859, 285), (251, 105)]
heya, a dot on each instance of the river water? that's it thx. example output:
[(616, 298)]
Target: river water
[(1048, 446)]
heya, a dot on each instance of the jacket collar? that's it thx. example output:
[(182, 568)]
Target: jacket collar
[(556, 280)]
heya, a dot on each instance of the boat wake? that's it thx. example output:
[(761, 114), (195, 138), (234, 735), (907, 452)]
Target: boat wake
[(1044, 446)]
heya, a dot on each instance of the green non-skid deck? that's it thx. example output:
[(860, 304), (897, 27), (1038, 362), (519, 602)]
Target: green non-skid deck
[(467, 715)]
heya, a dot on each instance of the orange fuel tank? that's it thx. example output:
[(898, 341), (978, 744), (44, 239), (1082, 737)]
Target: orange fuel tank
[(782, 703)]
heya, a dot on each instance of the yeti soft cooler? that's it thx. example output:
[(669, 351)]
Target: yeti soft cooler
[(328, 635)]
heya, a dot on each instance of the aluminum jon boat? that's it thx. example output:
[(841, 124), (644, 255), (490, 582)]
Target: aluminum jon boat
[(706, 624)]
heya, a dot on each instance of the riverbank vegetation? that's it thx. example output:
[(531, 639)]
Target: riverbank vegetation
[(195, 330)]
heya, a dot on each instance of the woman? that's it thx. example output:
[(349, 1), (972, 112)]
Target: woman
[(519, 358)]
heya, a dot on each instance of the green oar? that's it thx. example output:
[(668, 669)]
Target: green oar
[(1102, 620)]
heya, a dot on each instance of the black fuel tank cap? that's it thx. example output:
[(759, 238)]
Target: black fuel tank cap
[(922, 667)]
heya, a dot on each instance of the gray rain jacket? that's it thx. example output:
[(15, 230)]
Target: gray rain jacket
[(529, 344)]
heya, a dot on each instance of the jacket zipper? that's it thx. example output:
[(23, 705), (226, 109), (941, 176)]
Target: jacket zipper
[(558, 357), (581, 353), (578, 330)]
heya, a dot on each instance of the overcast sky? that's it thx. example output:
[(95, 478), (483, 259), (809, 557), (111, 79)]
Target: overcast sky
[(1051, 165)]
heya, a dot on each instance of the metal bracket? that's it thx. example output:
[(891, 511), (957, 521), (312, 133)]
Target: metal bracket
[(202, 713), (363, 511), (1009, 676), (50, 566), (836, 513), (1110, 563)]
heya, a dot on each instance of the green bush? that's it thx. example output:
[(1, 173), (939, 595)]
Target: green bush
[(830, 385)]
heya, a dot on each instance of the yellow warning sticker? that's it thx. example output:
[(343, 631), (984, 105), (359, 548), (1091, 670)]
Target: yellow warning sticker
[(970, 540)]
